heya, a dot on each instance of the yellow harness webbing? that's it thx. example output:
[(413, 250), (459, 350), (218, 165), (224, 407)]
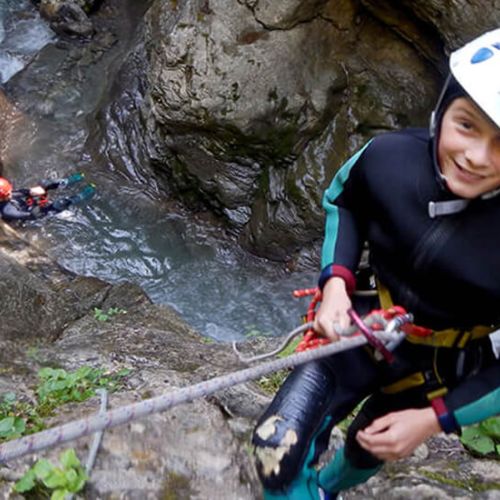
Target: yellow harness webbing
[(450, 337)]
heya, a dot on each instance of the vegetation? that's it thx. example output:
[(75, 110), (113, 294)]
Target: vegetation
[(101, 315), (483, 439), (272, 382), (55, 388), (45, 480)]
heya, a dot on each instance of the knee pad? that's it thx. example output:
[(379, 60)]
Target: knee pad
[(276, 452), (294, 430)]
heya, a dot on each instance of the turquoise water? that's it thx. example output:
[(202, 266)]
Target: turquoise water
[(222, 291)]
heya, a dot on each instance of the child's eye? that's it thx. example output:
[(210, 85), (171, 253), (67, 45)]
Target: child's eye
[(465, 124)]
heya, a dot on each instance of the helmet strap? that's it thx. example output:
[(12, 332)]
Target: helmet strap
[(433, 120)]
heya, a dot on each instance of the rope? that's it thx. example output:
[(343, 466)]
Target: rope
[(72, 430), (374, 319), (294, 333)]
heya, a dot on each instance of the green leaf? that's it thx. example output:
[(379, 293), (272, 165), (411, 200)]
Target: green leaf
[(79, 483), (476, 441), (491, 427), (69, 459), (26, 483), (59, 494), (11, 427), (56, 479), (6, 426), (42, 468), (19, 425), (9, 398), (52, 373)]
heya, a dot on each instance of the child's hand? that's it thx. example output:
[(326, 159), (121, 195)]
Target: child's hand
[(397, 434), (37, 191), (332, 314)]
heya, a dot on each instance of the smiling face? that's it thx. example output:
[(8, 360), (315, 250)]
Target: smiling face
[(469, 150)]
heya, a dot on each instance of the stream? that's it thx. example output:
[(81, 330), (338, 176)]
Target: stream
[(128, 231)]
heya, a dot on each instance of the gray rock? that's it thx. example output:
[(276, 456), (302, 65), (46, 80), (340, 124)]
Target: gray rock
[(68, 17)]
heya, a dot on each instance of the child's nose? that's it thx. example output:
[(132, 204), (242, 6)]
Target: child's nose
[(479, 154)]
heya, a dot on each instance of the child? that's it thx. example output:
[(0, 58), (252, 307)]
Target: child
[(427, 205)]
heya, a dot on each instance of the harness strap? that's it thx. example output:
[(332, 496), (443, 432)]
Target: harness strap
[(450, 337), (437, 389), (413, 380)]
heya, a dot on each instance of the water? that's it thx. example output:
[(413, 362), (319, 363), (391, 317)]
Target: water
[(219, 289), (22, 35), (127, 232)]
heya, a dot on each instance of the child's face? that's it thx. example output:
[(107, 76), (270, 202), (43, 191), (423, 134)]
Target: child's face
[(469, 150)]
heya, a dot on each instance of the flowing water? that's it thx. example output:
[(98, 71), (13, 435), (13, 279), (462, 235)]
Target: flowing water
[(22, 35), (128, 232)]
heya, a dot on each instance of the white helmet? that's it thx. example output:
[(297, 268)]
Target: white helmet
[(476, 67)]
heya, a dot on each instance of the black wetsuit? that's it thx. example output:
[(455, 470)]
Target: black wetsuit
[(445, 270)]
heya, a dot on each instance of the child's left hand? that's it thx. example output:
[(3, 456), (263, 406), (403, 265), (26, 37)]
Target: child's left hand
[(397, 434)]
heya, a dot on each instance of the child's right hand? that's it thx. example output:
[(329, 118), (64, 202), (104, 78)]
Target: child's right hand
[(332, 316)]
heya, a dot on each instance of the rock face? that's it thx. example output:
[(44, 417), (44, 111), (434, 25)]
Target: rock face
[(251, 106), (37, 297), (11, 123), (255, 105), (192, 451)]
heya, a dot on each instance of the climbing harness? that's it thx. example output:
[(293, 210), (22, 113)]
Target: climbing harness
[(52, 437), (450, 337), (37, 201)]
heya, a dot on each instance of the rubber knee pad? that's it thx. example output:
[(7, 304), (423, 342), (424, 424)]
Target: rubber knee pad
[(278, 456)]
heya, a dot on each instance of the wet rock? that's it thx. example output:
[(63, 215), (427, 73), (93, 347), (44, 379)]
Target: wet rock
[(38, 297), (12, 122), (238, 112), (68, 17), (249, 108)]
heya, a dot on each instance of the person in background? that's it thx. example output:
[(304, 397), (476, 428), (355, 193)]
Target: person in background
[(428, 204), (34, 203)]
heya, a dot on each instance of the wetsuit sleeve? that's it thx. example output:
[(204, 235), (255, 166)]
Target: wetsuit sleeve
[(11, 212), (344, 229), (477, 398), (20, 193), (15, 209)]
